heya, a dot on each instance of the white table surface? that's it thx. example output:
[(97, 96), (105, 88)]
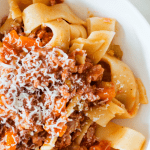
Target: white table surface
[(143, 6)]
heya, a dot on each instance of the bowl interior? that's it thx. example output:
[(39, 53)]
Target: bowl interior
[(133, 35)]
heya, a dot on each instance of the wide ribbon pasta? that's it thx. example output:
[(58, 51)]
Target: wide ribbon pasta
[(77, 31), (97, 24), (142, 92), (79, 58), (61, 34), (46, 2), (96, 44), (1, 44), (122, 76), (103, 114), (83, 131), (121, 138), (49, 144), (87, 43), (15, 14), (17, 6), (76, 46), (72, 104), (126, 113), (38, 13)]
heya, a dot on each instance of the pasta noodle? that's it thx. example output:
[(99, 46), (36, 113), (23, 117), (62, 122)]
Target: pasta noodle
[(1, 44), (46, 2), (75, 46), (49, 145), (71, 105), (121, 138), (8, 25), (97, 24), (77, 31), (96, 44), (16, 7), (142, 92), (122, 81), (15, 14), (125, 113), (32, 20), (83, 132), (80, 59), (61, 34), (15, 11), (102, 115), (61, 28), (62, 81)]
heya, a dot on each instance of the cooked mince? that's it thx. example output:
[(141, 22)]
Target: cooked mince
[(36, 86), (56, 89)]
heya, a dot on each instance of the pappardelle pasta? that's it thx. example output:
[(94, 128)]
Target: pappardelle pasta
[(62, 81)]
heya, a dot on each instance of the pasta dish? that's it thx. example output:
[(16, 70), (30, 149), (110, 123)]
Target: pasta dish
[(62, 81)]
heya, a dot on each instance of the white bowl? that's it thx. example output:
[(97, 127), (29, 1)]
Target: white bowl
[(133, 34)]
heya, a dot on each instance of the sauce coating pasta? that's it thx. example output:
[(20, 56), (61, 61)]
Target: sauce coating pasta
[(62, 81)]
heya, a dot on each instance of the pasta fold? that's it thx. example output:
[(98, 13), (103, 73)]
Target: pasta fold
[(127, 114), (17, 6), (15, 14), (80, 59), (76, 46), (50, 93), (46, 2), (9, 23), (38, 13), (49, 145), (142, 92), (121, 138), (123, 78), (97, 24), (1, 44), (77, 31), (96, 44), (61, 34), (103, 114), (84, 131), (72, 104)]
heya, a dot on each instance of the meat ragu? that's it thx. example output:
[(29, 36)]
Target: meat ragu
[(34, 75), (44, 35), (57, 91)]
